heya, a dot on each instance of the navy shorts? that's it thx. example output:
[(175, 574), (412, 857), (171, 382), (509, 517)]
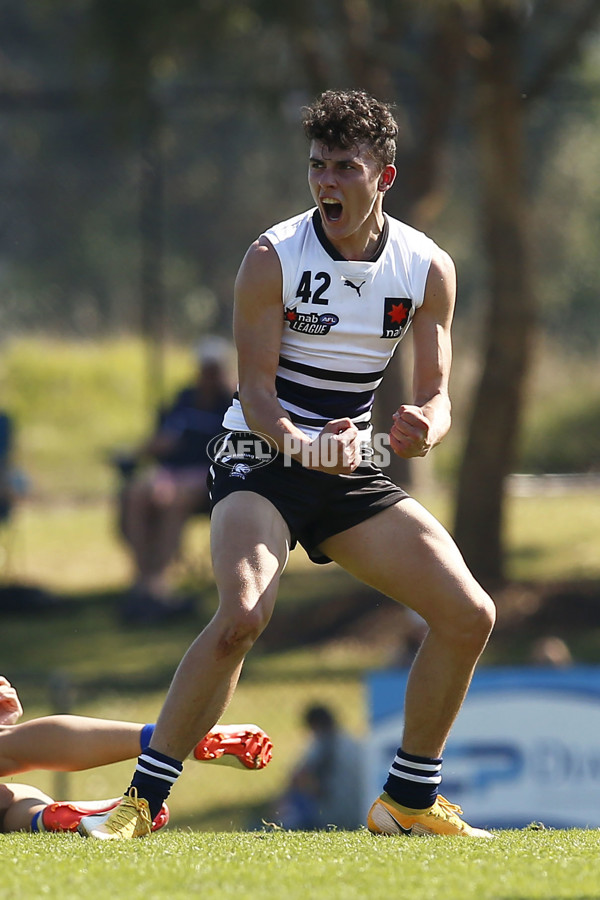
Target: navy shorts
[(314, 505)]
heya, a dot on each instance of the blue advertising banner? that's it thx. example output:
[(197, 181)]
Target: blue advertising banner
[(525, 747)]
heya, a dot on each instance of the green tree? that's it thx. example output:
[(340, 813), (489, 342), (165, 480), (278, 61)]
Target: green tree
[(502, 100)]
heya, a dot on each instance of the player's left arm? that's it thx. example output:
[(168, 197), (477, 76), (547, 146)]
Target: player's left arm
[(421, 425)]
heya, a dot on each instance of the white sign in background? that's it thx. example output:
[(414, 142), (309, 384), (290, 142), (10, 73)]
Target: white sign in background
[(525, 747)]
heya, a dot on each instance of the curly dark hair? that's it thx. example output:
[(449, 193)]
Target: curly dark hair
[(347, 118)]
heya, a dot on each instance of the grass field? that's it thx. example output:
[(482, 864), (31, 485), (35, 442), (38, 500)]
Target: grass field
[(528, 865)]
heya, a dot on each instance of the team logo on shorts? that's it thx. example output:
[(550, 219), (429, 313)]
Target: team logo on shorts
[(241, 451), (310, 322), (396, 316), (240, 470)]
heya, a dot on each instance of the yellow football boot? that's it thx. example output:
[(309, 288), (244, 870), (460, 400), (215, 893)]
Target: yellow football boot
[(130, 819), (388, 817)]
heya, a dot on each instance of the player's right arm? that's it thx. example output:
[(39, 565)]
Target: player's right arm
[(257, 329), (420, 426)]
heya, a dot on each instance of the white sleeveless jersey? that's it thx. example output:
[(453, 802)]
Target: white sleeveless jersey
[(342, 320)]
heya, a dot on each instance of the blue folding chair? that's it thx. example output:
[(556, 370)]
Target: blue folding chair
[(6, 430), (13, 485)]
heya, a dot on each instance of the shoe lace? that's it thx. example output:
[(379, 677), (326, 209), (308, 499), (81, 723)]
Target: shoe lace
[(122, 814), (449, 810)]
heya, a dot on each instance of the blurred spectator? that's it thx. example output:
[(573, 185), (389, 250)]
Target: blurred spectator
[(13, 483), (165, 483), (326, 787), (550, 651)]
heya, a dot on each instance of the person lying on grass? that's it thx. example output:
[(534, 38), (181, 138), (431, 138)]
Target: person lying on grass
[(72, 743)]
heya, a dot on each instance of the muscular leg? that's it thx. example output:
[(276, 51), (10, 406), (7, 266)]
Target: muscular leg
[(66, 743), (250, 543), (405, 553), (18, 803)]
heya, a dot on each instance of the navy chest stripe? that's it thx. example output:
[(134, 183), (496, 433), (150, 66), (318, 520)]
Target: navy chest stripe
[(328, 374), (320, 423), (326, 403)]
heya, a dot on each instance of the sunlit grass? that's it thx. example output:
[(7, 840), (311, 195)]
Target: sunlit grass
[(547, 538), (67, 547), (76, 402), (528, 865), (555, 537)]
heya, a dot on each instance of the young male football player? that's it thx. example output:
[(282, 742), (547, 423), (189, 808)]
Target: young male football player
[(321, 302), (73, 743)]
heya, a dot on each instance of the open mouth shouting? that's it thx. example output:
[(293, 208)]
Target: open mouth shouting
[(332, 209)]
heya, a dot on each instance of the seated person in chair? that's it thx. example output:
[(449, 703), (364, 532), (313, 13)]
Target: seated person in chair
[(157, 500)]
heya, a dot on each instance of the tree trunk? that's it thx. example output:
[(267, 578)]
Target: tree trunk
[(419, 195), (493, 430)]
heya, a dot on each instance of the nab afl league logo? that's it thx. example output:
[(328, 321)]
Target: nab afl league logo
[(310, 323), (241, 451)]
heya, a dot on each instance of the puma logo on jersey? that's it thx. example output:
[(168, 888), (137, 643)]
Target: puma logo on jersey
[(357, 287)]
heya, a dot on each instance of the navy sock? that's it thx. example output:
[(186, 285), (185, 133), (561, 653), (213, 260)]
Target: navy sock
[(413, 780), (154, 776)]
